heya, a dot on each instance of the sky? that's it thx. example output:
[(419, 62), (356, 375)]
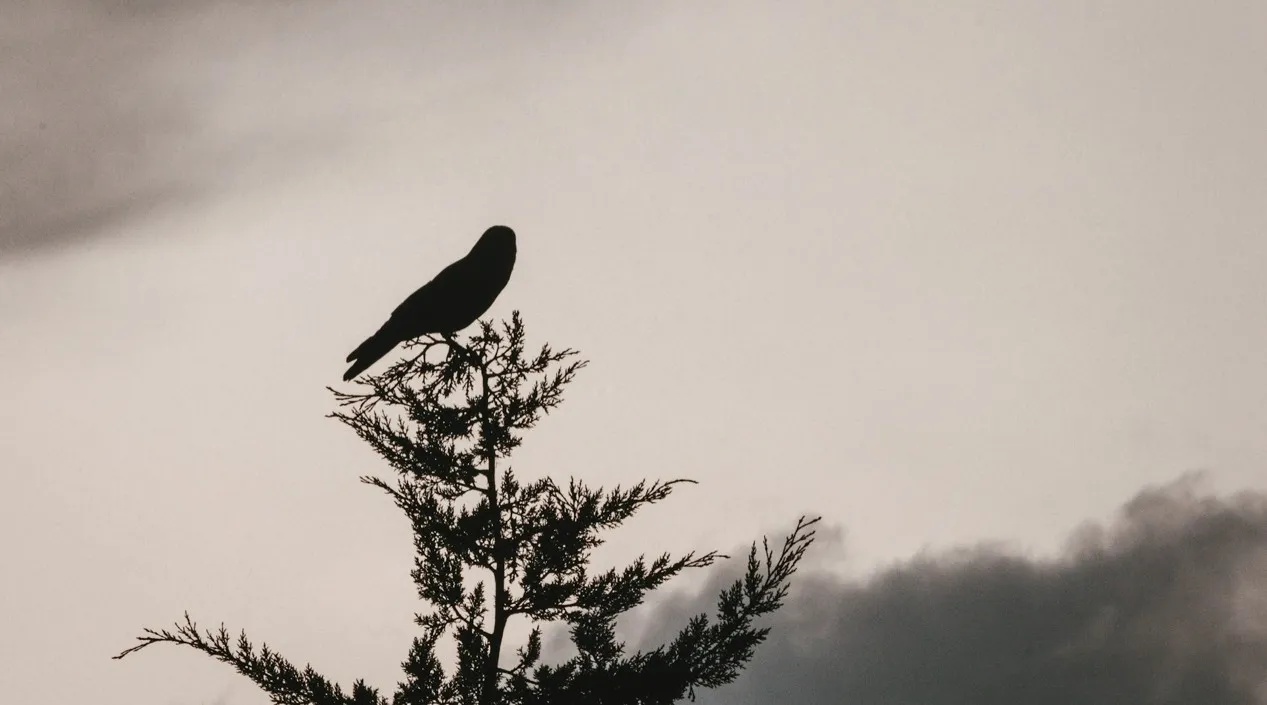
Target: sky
[(979, 283)]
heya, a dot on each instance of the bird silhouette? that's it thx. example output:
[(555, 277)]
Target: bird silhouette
[(451, 301)]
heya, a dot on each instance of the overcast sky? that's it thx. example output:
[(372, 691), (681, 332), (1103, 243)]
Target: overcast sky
[(944, 273)]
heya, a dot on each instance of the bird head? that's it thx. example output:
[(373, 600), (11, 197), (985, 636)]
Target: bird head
[(497, 241)]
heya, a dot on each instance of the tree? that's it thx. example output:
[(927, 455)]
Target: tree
[(492, 547)]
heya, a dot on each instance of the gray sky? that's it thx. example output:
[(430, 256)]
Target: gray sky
[(943, 274)]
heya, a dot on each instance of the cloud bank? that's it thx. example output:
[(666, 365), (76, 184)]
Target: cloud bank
[(1167, 605)]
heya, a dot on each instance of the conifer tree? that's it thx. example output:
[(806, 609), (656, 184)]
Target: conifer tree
[(492, 547)]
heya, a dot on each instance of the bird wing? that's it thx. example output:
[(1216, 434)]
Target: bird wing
[(438, 289)]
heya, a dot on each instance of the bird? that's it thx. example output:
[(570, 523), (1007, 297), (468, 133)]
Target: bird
[(451, 301)]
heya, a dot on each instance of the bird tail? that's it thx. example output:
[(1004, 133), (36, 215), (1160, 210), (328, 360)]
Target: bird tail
[(367, 353)]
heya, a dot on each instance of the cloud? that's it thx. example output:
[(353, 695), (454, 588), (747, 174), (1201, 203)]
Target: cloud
[(113, 109), (1166, 605), (84, 117)]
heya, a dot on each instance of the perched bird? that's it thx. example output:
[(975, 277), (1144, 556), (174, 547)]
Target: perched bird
[(453, 300)]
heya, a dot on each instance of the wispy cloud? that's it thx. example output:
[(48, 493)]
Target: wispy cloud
[(115, 109), (1166, 605), (85, 118)]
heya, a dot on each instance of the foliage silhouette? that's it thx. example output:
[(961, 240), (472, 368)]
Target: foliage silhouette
[(443, 421)]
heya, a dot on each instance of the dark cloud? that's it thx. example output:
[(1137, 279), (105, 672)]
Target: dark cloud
[(87, 126), (1166, 606)]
